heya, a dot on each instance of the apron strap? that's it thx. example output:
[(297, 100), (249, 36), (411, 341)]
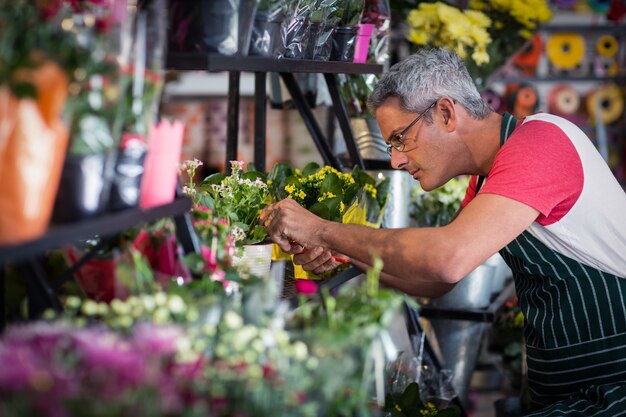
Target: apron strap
[(508, 126)]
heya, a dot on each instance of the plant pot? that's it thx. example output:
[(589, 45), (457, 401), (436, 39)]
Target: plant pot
[(362, 43), (321, 41), (126, 185), (265, 37), (343, 44), (255, 260), (295, 33), (33, 144), (84, 188), (226, 25)]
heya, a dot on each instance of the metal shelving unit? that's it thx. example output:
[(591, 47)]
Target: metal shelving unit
[(236, 64), (25, 255)]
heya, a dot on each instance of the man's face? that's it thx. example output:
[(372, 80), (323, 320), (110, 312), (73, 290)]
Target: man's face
[(416, 148)]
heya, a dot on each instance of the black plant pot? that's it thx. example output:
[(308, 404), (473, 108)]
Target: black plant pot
[(126, 184), (324, 43), (295, 34), (265, 38), (84, 188), (343, 43)]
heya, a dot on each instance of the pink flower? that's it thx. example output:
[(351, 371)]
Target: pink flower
[(306, 286), (210, 258)]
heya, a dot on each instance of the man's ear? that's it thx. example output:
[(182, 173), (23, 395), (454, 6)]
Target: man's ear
[(448, 113)]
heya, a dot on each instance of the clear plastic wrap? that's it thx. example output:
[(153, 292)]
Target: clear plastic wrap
[(265, 38), (221, 26)]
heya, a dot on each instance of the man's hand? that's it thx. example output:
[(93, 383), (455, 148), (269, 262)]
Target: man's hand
[(319, 260), (291, 226)]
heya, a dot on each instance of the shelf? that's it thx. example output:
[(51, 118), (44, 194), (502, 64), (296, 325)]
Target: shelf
[(105, 225), (488, 314), (559, 78), (189, 61), (585, 28)]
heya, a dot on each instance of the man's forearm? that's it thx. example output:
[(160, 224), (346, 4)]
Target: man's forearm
[(412, 256)]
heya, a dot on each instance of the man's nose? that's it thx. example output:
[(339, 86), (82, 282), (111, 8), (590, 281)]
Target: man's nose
[(398, 159)]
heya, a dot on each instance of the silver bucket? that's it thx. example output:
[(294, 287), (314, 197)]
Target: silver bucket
[(396, 214), (459, 341), (369, 140)]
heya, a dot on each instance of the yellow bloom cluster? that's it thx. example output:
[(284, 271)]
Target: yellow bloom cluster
[(441, 25), (430, 410), (309, 186), (369, 188), (326, 195), (528, 13)]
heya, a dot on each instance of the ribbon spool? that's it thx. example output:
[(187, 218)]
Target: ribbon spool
[(565, 50), (599, 6), (605, 67), (564, 100), (606, 46), (608, 100), (523, 101), (528, 58), (492, 99)]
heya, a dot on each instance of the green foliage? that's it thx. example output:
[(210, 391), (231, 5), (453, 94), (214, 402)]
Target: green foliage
[(410, 404), (437, 207), (31, 35), (239, 198), (349, 12)]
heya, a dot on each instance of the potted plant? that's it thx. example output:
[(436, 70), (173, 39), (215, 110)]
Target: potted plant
[(344, 37), (238, 198), (96, 112), (265, 37)]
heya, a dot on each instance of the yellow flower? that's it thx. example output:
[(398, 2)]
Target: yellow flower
[(290, 188), (525, 33), (477, 5), (478, 18), (480, 56), (397, 407), (302, 194), (419, 37), (342, 207)]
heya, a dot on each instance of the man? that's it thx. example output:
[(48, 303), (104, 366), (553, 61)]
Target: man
[(541, 195)]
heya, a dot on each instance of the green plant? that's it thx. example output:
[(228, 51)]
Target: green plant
[(355, 90), (238, 198), (328, 192), (31, 36), (349, 12), (410, 404), (437, 207)]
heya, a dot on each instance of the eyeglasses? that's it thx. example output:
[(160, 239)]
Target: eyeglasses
[(397, 139)]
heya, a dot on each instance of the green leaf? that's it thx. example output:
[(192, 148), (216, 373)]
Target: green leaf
[(310, 168), (350, 193), (331, 184), (410, 398), (334, 208), (257, 235), (195, 262), (452, 411), (253, 175), (382, 191), (321, 210), (214, 178)]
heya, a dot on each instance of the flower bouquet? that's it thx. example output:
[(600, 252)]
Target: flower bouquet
[(38, 60), (485, 35)]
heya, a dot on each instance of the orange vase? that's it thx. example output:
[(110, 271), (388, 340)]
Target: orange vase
[(33, 142)]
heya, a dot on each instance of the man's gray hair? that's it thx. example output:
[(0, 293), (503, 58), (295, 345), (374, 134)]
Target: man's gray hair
[(421, 78)]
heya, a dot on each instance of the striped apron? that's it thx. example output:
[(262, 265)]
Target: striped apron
[(575, 329)]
